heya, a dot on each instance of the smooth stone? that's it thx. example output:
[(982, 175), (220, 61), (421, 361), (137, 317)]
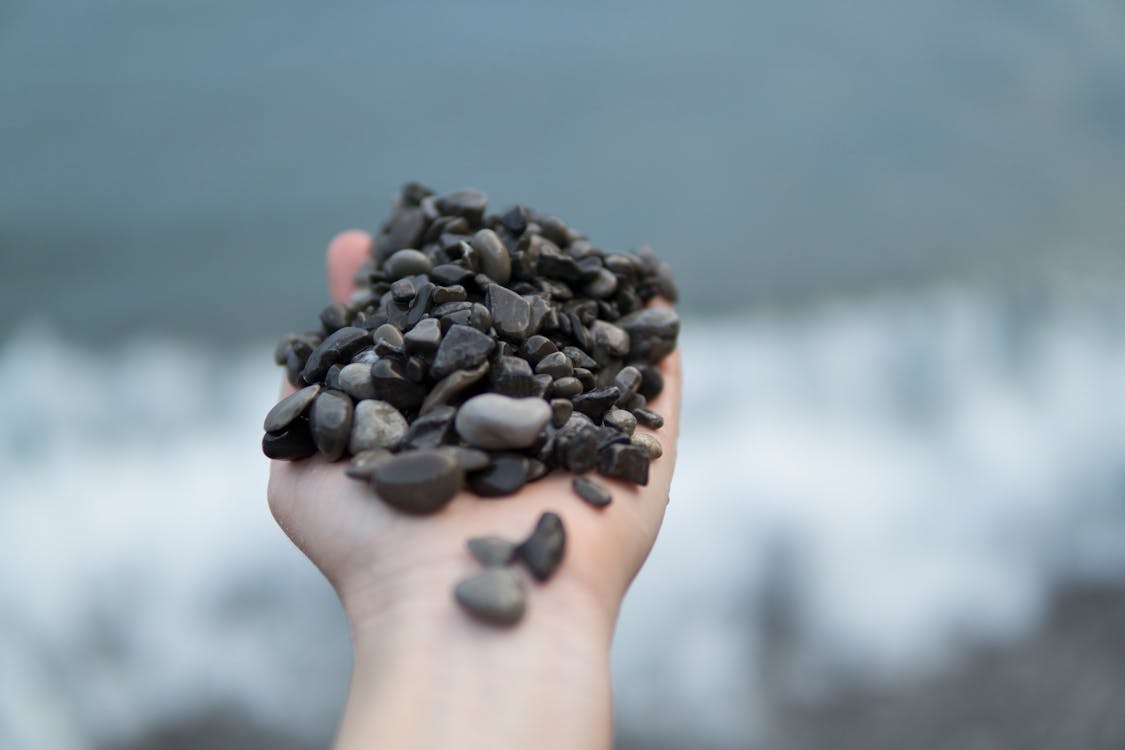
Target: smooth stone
[(424, 337), (651, 445), (579, 358), (455, 293), (543, 551), (592, 492), (390, 334), (450, 274), (355, 380), (362, 465), (495, 596), (470, 459), (610, 338), (330, 419), (339, 346), (376, 424), (634, 402), (289, 408), (540, 308), (440, 311), (649, 419), (561, 409), (594, 404), (492, 550), (335, 316), (556, 365), (553, 264), (390, 384), (626, 461), (466, 202), (498, 422), (578, 451), (511, 313), (419, 306), (586, 378), (407, 262), (415, 369), (418, 481), (603, 285), (652, 332), (451, 385), (515, 220), (290, 444), (652, 381), (365, 357), (403, 291), (281, 351), (480, 318), (506, 475), (628, 379), (536, 469), (605, 435), (432, 429), (459, 318), (495, 262), (565, 388), (536, 348), (404, 230), (621, 420), (462, 348)]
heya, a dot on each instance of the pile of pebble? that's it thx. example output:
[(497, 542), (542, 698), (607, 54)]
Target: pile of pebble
[(481, 351)]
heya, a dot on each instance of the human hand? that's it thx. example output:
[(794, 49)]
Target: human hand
[(394, 574)]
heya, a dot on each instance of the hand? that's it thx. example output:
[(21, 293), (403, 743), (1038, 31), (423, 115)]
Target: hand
[(395, 574)]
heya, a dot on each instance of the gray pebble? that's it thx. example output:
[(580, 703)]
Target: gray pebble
[(451, 385), (463, 347), (290, 444), (556, 365), (330, 419), (494, 259), (626, 461), (470, 459), (376, 424), (494, 596), (289, 408), (362, 465), (390, 334), (418, 481), (424, 337), (603, 285), (544, 549), (431, 429), (651, 445), (511, 313), (592, 492), (499, 422), (355, 380), (339, 347), (652, 332), (565, 388), (466, 202), (561, 409), (455, 293), (621, 419), (648, 418), (492, 550), (505, 475), (597, 402), (407, 262), (609, 338)]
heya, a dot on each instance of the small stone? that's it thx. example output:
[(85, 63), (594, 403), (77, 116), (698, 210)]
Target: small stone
[(335, 316), (634, 402), (480, 318), (292, 443), (499, 422), (470, 458), (462, 348), (511, 313), (652, 332), (495, 596), (407, 262), (388, 334), (592, 492), (628, 379), (330, 419), (419, 306), (511, 376), (355, 380), (362, 466), (648, 418), (449, 274), (603, 285), (579, 358), (652, 381), (339, 347), (418, 481), (451, 385), (621, 420), (415, 369), (376, 424), (403, 230), (544, 549), (423, 337), (506, 475), (440, 311), (536, 348), (289, 408), (651, 445), (536, 469), (578, 451), (455, 293), (403, 291), (492, 550), (609, 338), (624, 461), (432, 429), (586, 378), (494, 259), (597, 402), (565, 388), (466, 202), (561, 409), (389, 383), (556, 365)]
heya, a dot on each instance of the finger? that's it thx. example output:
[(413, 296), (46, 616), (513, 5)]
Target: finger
[(346, 253)]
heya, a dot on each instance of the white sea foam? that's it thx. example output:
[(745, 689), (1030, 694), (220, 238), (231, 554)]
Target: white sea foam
[(861, 488)]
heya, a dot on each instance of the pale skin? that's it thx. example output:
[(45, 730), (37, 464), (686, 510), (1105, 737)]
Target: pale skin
[(426, 675)]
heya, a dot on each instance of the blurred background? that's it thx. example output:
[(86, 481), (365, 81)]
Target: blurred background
[(898, 520)]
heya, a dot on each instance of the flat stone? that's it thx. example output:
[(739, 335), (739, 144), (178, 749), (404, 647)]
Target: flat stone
[(355, 380), (494, 259), (424, 337), (628, 379), (543, 551), (492, 550), (561, 409), (376, 424), (495, 596), (586, 378), (418, 481), (556, 365), (626, 461), (440, 311), (498, 422), (579, 358), (335, 316), (565, 388), (597, 402), (511, 313), (592, 492), (649, 419), (362, 466), (451, 385), (432, 429), (651, 445), (621, 420), (455, 293), (419, 306), (470, 459), (390, 384), (330, 420), (462, 348), (515, 220), (448, 274), (289, 408), (466, 202), (403, 291), (390, 334), (652, 332), (339, 347), (407, 262), (292, 443), (603, 285), (506, 475), (609, 338)]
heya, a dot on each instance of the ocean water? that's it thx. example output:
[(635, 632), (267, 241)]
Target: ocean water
[(864, 487)]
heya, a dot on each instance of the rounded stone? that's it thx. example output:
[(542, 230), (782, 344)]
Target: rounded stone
[(649, 443), (621, 419), (495, 261), (363, 464), (407, 262), (355, 380), (390, 334), (289, 408), (544, 549), (419, 481), (592, 492), (331, 420), (495, 596), (376, 424), (498, 422), (557, 365), (492, 550)]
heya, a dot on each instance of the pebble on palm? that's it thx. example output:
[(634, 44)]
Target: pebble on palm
[(482, 352)]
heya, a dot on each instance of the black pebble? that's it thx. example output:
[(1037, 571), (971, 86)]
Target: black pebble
[(543, 551), (597, 402), (462, 348), (592, 492), (505, 476), (625, 461), (291, 444)]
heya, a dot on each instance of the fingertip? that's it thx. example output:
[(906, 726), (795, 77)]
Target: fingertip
[(347, 251)]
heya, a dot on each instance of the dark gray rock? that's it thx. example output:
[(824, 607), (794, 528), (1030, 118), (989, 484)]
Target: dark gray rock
[(407, 262), (355, 380), (470, 459), (650, 444), (652, 332), (389, 383), (511, 313), (495, 596), (492, 551), (515, 220), (649, 419), (498, 422), (597, 402), (404, 230), (403, 291), (419, 306), (556, 365), (467, 203), (338, 348), (561, 409), (449, 274), (462, 348), (652, 381), (544, 550), (388, 333), (506, 475), (444, 294), (431, 430), (621, 420), (592, 492), (423, 337), (611, 339), (588, 380), (579, 358), (330, 420), (628, 379), (362, 466), (335, 316), (375, 424), (289, 408), (418, 481), (494, 259), (453, 384), (536, 348), (292, 443), (625, 461), (565, 388), (603, 285)]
